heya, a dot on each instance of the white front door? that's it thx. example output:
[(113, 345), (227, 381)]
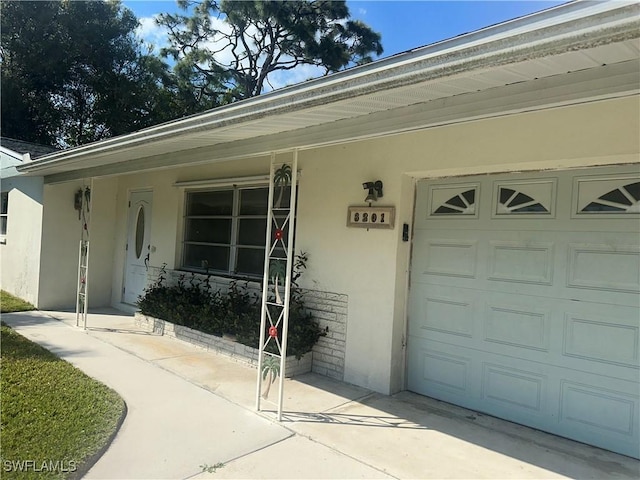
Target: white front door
[(138, 246), (524, 300)]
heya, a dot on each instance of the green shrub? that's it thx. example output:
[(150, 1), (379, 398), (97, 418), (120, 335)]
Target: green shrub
[(237, 312), (190, 304)]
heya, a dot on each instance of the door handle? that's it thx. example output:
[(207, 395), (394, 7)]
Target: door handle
[(146, 262)]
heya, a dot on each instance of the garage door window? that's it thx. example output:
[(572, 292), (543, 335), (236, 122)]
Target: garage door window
[(458, 200), (526, 198), (622, 199)]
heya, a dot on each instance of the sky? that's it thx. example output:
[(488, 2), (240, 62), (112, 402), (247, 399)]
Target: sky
[(404, 25)]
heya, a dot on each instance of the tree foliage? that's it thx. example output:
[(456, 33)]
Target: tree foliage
[(74, 72), (229, 50)]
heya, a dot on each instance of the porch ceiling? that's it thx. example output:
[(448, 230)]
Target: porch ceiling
[(521, 58)]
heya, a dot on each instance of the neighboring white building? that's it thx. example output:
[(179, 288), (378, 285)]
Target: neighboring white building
[(20, 218), (510, 281)]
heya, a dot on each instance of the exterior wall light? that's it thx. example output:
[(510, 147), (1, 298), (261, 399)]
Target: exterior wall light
[(375, 190)]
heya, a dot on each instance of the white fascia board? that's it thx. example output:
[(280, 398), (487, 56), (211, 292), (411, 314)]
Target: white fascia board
[(15, 155), (571, 26)]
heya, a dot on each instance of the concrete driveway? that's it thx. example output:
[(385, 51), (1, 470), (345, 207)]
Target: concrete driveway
[(189, 407)]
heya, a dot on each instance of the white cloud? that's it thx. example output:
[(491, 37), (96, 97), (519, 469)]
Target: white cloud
[(300, 74), (152, 33), (362, 11)]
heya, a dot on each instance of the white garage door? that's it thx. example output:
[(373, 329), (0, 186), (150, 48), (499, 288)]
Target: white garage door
[(524, 300)]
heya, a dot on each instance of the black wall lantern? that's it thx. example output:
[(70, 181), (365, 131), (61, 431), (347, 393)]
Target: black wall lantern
[(375, 190)]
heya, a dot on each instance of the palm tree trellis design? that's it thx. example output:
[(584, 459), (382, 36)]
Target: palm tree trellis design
[(271, 369), (277, 271), (281, 179)]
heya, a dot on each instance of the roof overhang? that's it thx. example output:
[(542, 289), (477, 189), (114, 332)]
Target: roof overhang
[(572, 53)]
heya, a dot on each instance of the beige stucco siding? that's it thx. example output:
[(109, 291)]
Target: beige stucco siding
[(19, 252), (61, 231), (102, 240)]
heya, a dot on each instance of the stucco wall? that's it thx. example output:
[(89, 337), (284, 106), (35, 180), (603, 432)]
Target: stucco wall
[(61, 230), (104, 201), (20, 252)]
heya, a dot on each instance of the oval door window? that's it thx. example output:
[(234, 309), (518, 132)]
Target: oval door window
[(139, 232)]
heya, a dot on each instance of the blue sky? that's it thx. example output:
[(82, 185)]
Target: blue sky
[(404, 25)]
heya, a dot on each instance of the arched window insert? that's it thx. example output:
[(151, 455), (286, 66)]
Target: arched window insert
[(513, 201), (463, 203), (624, 199)]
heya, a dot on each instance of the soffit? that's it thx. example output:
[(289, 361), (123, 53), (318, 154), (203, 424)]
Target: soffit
[(364, 105)]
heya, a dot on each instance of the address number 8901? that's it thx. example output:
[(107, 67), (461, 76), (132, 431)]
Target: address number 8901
[(371, 217)]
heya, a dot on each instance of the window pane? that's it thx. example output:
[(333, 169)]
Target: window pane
[(253, 201), (209, 230), (250, 261), (210, 203), (4, 209), (205, 256), (3, 225), (252, 231), (279, 252), (139, 232)]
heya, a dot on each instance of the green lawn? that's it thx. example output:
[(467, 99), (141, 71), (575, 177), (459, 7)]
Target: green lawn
[(9, 303), (54, 417)]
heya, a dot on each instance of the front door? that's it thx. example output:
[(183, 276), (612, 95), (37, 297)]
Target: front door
[(138, 246)]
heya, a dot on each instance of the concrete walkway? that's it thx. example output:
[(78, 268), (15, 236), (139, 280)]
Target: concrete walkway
[(189, 408)]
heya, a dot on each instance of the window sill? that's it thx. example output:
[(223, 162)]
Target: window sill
[(227, 276)]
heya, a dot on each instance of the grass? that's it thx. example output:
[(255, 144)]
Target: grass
[(54, 417), (9, 303)]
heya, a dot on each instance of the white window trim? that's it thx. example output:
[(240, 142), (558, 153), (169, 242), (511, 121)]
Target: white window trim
[(3, 236), (221, 185)]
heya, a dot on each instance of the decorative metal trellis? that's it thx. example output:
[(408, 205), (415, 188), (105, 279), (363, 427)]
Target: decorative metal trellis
[(83, 201), (276, 283)]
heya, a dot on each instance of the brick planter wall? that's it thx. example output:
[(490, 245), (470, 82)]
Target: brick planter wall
[(221, 345), (329, 310)]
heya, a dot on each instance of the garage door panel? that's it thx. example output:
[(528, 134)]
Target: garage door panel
[(517, 325), (615, 410), (442, 372), (534, 315), (587, 337), (514, 388), (526, 262), (448, 257), (444, 312), (612, 267), (601, 412)]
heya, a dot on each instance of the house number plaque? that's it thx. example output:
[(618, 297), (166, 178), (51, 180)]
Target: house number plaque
[(371, 217)]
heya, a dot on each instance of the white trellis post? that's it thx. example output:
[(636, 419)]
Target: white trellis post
[(82, 292), (278, 261)]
